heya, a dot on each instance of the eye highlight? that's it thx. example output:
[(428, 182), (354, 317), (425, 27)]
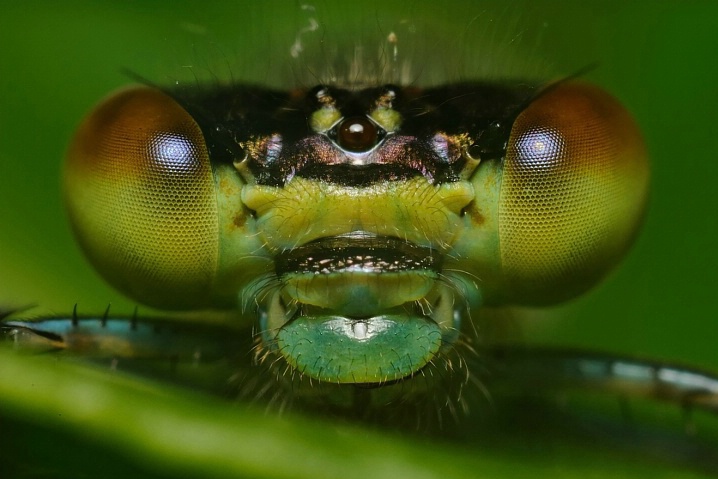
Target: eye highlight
[(540, 148), (141, 198), (573, 192), (174, 153)]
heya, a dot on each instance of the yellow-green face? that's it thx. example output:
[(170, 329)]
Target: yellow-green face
[(356, 226)]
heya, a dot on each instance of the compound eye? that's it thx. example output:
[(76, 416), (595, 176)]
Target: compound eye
[(141, 198), (573, 193)]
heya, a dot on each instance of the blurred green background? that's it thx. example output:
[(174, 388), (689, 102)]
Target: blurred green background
[(58, 59)]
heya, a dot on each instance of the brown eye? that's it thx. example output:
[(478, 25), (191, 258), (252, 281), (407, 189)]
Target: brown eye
[(357, 134), (141, 197), (573, 192)]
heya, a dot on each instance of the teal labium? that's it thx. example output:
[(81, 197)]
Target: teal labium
[(356, 228)]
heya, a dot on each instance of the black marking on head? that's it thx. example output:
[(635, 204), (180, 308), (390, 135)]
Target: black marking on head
[(358, 250), (270, 129), (358, 176)]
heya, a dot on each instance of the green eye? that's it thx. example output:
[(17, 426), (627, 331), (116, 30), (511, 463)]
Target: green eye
[(156, 218), (572, 194), (141, 196), (353, 248), (566, 202)]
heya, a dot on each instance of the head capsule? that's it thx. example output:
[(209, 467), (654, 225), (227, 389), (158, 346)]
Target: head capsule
[(486, 193)]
